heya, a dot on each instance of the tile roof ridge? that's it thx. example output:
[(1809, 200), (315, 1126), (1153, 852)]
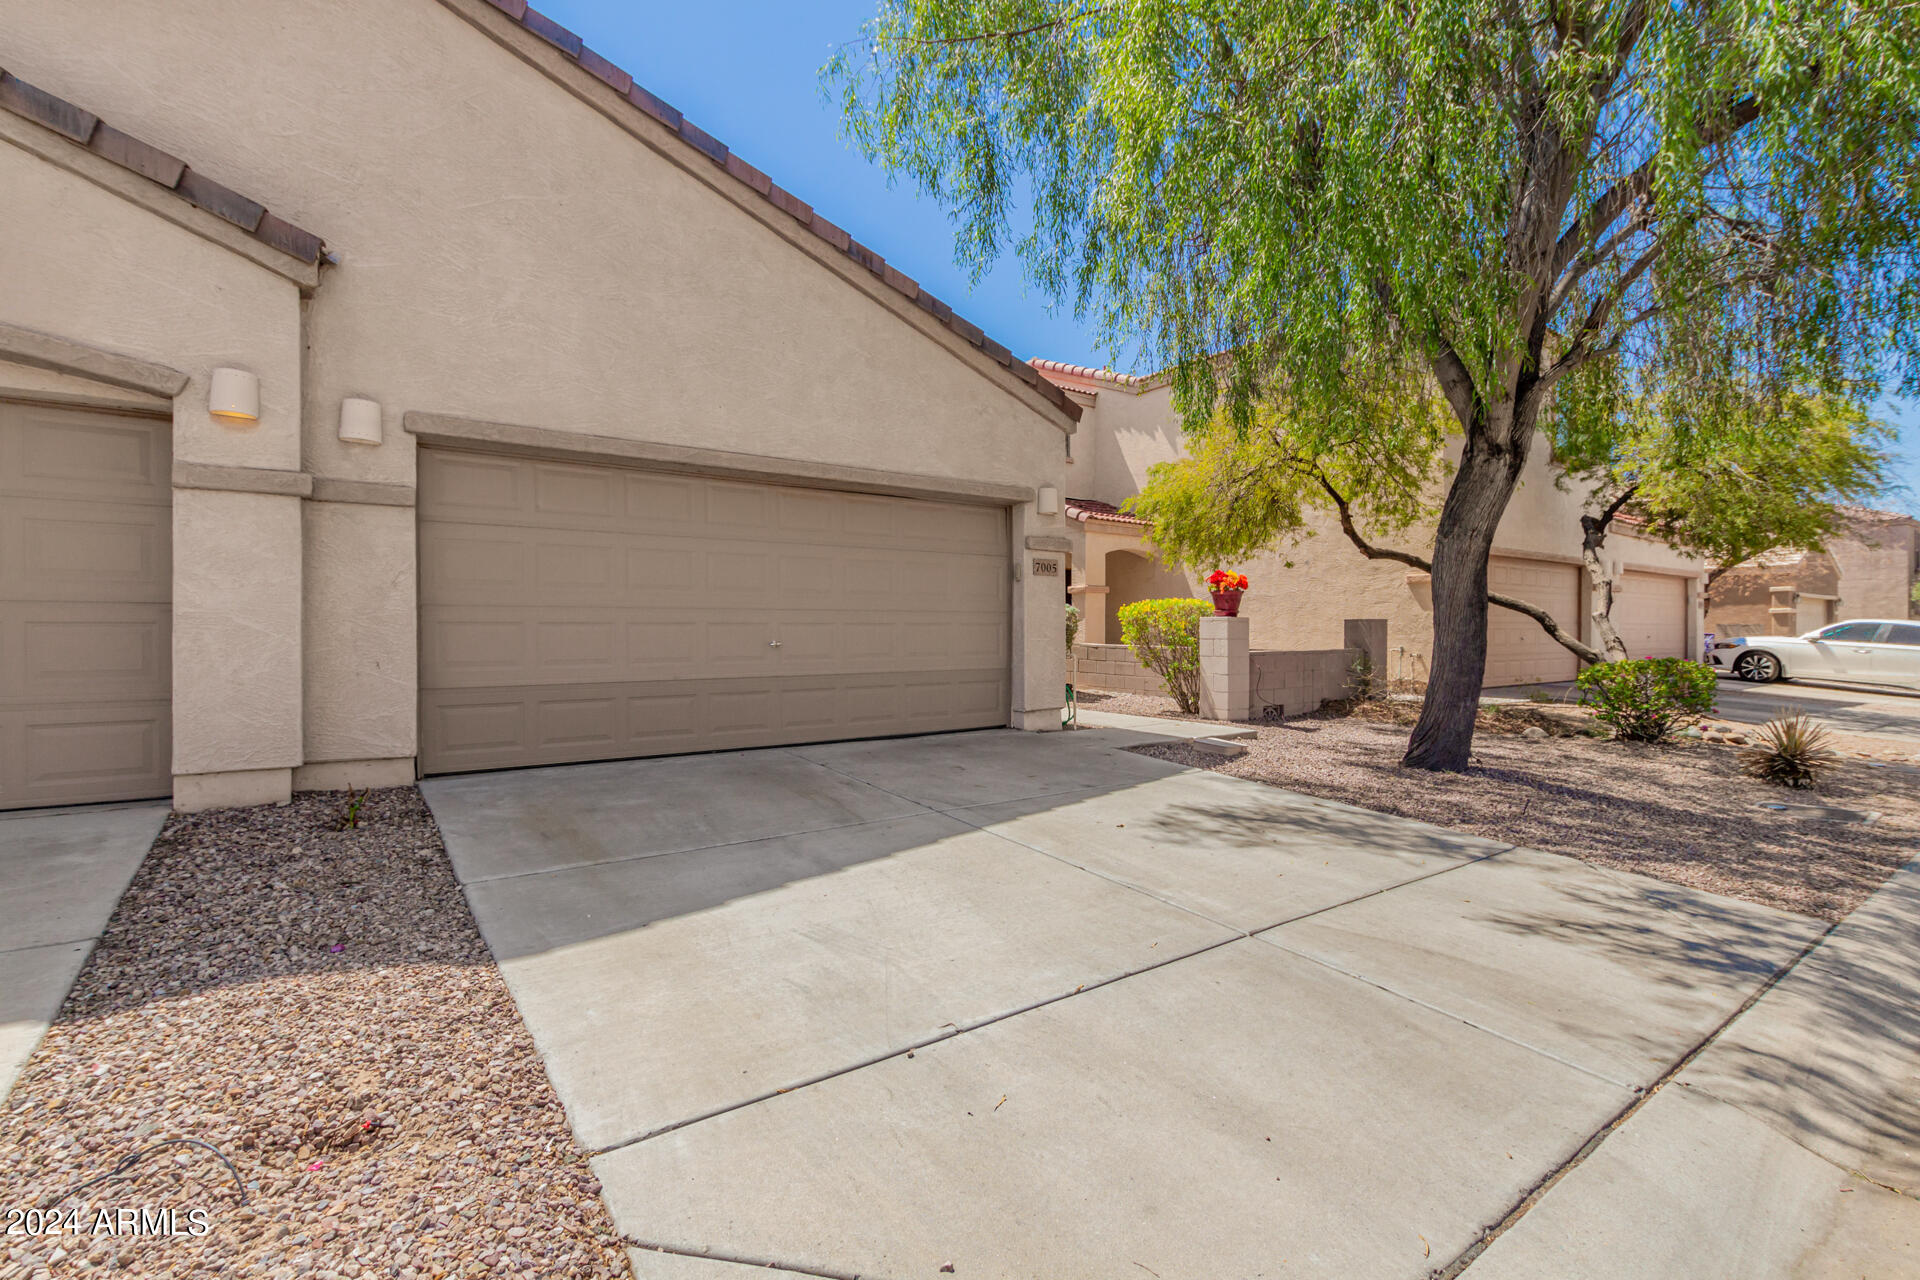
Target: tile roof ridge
[(150, 162), (623, 84)]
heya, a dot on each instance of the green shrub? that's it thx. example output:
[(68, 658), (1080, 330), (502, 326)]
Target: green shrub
[(1644, 700), (1792, 751), (1165, 636), (1073, 625)]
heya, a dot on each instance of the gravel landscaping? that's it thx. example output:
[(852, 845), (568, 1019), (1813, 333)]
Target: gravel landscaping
[(1681, 812), (315, 1003)]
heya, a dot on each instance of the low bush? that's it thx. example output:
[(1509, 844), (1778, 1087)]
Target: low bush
[(1791, 751), (1645, 699), (1073, 625), (1165, 636)]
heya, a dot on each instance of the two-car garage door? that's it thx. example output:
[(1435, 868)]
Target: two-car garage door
[(578, 612), (1649, 609)]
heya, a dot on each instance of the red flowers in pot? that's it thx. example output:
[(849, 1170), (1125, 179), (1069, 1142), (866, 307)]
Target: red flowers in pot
[(1226, 588)]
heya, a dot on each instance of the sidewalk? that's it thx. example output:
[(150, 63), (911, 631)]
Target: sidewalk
[(1790, 1147)]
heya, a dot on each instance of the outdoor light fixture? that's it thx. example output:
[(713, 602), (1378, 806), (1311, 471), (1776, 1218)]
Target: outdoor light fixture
[(234, 395), (360, 420), (1049, 503)]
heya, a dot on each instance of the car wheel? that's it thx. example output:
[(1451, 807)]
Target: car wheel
[(1759, 668)]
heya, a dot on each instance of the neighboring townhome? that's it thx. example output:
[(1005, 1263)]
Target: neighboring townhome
[(1879, 561), (396, 387), (1781, 593), (1303, 594)]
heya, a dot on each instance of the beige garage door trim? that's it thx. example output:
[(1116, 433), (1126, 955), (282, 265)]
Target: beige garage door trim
[(1518, 650), (1650, 613), (577, 611), (86, 579)]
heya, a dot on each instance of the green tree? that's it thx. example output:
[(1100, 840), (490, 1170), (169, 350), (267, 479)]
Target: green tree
[(1724, 482), (1521, 212)]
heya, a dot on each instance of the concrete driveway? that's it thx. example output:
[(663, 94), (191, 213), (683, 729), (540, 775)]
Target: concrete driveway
[(1845, 708), (1006, 1004), (60, 875)]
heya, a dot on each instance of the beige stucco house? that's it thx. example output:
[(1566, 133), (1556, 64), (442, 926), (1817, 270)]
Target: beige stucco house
[(1781, 593), (1303, 595), (405, 390), (1878, 558)]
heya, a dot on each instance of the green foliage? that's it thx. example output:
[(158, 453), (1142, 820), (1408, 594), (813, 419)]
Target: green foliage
[(1241, 490), (1791, 751), (1073, 625), (1645, 699), (1165, 636), (1734, 476), (1713, 189), (350, 812)]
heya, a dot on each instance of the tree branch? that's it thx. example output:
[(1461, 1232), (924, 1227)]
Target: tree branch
[(1546, 620)]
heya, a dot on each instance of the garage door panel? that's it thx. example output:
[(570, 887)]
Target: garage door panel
[(85, 652), (1650, 613), (557, 724), (1519, 651), (79, 753), (50, 452), (86, 575), (666, 613)]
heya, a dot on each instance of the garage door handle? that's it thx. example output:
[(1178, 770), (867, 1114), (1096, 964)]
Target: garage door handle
[(773, 644)]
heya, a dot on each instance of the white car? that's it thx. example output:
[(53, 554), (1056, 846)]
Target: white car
[(1863, 651)]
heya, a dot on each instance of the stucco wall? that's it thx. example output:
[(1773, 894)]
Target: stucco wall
[(1302, 593), (517, 244), (81, 262), (1133, 577), (1877, 563)]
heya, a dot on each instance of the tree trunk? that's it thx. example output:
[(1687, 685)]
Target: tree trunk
[(1600, 596), (1482, 486)]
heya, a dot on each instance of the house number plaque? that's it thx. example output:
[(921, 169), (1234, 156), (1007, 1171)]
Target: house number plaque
[(1046, 568)]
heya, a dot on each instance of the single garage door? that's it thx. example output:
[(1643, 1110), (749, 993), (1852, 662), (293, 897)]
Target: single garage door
[(1518, 650), (1650, 612), (585, 612), (85, 622)]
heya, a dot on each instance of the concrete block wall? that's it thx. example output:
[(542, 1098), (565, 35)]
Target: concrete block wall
[(1299, 679), (1113, 667)]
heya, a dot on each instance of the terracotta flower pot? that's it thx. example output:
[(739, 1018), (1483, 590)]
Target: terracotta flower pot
[(1226, 604)]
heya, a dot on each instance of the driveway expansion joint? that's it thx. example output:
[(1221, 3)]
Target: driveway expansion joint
[(791, 1268), (1534, 1194)]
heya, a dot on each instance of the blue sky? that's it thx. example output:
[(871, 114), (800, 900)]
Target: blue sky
[(747, 71)]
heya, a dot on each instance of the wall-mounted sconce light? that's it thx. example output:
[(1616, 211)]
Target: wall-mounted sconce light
[(234, 395), (1049, 502), (360, 420)]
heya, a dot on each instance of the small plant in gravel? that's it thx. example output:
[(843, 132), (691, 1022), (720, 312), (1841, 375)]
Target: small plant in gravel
[(350, 812), (1646, 699), (1790, 751), (1363, 682), (1165, 636)]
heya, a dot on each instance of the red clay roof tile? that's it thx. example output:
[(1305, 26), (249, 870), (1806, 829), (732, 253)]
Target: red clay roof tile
[(1085, 509), (129, 152), (23, 99), (155, 165), (618, 80), (552, 32)]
